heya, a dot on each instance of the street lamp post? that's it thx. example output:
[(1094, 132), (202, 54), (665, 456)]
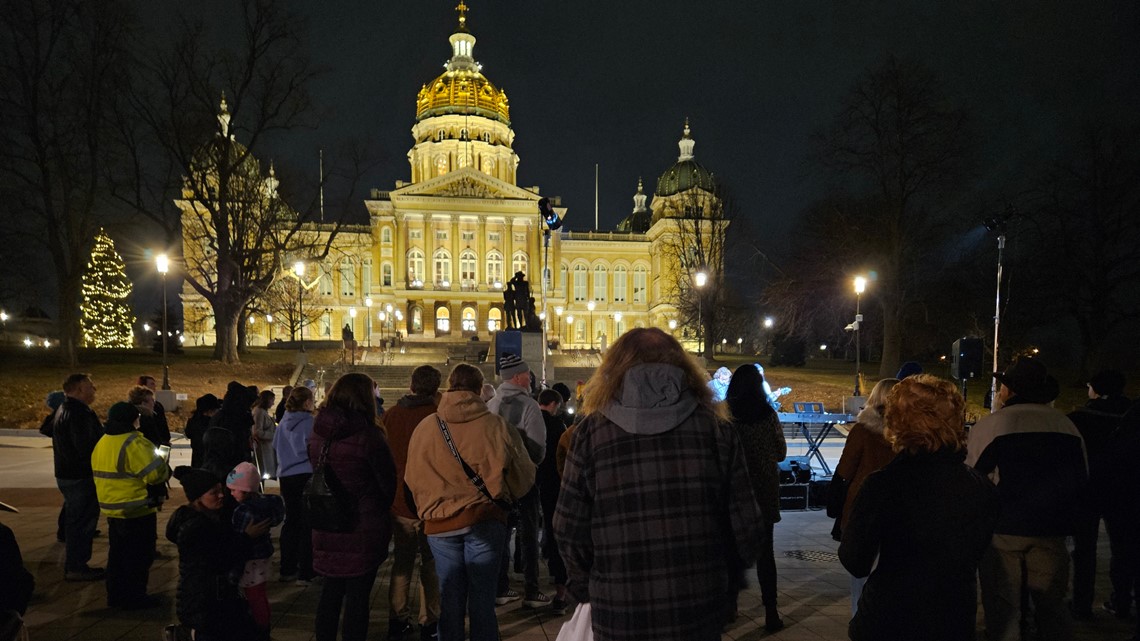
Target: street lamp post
[(617, 322), (269, 322), (590, 307), (299, 271), (860, 287), (163, 265), (700, 279), (570, 328), (769, 323), (558, 309), (368, 315)]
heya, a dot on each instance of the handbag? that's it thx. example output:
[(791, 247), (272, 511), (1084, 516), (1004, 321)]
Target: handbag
[(472, 475), (328, 504), (579, 627), (836, 496)]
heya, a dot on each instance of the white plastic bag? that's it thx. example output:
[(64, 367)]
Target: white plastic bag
[(579, 627)]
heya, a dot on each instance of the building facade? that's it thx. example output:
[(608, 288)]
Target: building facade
[(439, 249)]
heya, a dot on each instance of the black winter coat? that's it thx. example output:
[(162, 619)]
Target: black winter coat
[(208, 549), (76, 431), (929, 518)]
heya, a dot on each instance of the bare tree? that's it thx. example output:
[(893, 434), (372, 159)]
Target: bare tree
[(281, 301), (60, 67), (209, 112), (902, 148), (694, 243)]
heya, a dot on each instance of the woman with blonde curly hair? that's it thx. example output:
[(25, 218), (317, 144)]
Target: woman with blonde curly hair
[(656, 512), (920, 525)]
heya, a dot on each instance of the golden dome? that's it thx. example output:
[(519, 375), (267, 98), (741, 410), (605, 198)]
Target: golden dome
[(462, 89)]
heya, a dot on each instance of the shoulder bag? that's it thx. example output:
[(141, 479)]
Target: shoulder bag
[(472, 475), (328, 504)]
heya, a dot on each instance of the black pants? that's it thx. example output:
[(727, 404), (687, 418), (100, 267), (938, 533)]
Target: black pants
[(296, 533), (766, 569), (353, 595), (1084, 561), (554, 561), (129, 557), (1124, 566)]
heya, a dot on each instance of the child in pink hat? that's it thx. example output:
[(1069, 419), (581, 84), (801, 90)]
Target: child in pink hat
[(253, 507)]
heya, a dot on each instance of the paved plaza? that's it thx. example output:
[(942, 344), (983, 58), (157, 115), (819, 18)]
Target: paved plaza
[(813, 586)]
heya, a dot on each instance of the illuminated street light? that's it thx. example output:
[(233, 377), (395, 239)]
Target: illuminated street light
[(700, 279), (860, 287), (368, 315), (590, 307), (163, 265)]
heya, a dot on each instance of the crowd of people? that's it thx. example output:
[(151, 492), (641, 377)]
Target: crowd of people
[(649, 504)]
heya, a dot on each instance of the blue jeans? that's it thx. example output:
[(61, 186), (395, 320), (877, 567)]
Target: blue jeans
[(81, 514), (468, 568)]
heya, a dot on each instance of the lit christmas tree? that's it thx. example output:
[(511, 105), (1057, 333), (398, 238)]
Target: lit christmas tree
[(107, 318)]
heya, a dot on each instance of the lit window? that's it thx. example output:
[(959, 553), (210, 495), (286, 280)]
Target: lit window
[(442, 320), (579, 283), (518, 263), (416, 265), (442, 266), (494, 268), (639, 282), (494, 319), (467, 267), (366, 277), (600, 283), (386, 275), (494, 236), (386, 235), (416, 234), (468, 320), (620, 275)]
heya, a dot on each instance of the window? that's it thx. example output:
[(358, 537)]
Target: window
[(441, 267), (518, 263), (326, 324), (463, 134), (417, 326), (494, 236), (326, 286), (464, 159), (562, 279), (520, 237), (488, 166), (416, 265), (468, 319), (600, 283), (440, 165), (347, 279), (440, 135), (416, 234), (386, 235), (467, 235), (495, 269), (366, 277), (441, 235), (386, 274), (639, 280), (467, 268), (580, 331), (442, 320), (486, 136), (619, 328), (579, 283), (494, 319), (620, 275)]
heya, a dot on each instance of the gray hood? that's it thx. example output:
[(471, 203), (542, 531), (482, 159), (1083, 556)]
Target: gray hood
[(871, 420), (654, 398)]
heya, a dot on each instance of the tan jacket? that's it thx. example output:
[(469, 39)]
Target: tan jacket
[(445, 498)]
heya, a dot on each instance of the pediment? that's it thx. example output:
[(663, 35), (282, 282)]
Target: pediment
[(467, 183)]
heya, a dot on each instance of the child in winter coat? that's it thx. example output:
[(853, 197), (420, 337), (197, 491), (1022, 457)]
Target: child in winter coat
[(253, 507)]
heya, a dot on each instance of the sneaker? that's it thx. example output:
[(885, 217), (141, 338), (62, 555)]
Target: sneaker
[(397, 628), (558, 606), (85, 574), (507, 597), (430, 632), (537, 601)]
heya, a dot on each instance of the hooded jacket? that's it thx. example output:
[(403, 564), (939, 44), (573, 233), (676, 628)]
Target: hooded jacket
[(362, 462), (656, 512), (866, 450), (74, 435), (124, 463), (446, 498), (291, 443), (522, 413)]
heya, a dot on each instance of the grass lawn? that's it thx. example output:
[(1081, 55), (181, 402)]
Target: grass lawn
[(26, 377)]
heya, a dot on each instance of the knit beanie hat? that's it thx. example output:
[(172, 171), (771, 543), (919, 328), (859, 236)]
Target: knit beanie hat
[(1109, 382), (244, 477), (123, 412), (55, 399), (195, 481), (207, 402), (511, 365)]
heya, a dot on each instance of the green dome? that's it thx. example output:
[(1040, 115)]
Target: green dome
[(684, 175)]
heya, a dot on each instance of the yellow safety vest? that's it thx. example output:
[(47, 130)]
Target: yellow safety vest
[(123, 465)]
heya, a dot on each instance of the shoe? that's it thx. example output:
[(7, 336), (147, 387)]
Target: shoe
[(145, 602), (85, 574), (507, 597), (1110, 608), (537, 601), (397, 628), (558, 607), (772, 620), (430, 631)]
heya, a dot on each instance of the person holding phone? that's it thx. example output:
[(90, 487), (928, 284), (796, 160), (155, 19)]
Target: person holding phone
[(125, 464)]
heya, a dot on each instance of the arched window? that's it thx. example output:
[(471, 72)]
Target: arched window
[(441, 267), (386, 235), (494, 319), (386, 275), (640, 278), (326, 324), (326, 286), (417, 326), (469, 319), (494, 268), (580, 331), (440, 135), (600, 282), (620, 274), (579, 283), (416, 266), (442, 320), (518, 263), (486, 136), (463, 134), (488, 166), (463, 159), (467, 261), (440, 165)]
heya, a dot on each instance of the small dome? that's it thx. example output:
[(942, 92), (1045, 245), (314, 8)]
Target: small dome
[(686, 173), (462, 89)]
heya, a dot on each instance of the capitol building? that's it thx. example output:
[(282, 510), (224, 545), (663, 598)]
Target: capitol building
[(439, 248)]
